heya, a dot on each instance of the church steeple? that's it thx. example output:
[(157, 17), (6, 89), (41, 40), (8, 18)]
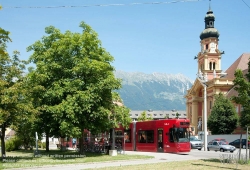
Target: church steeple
[(209, 30), (209, 58)]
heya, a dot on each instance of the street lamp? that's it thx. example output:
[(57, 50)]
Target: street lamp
[(203, 79)]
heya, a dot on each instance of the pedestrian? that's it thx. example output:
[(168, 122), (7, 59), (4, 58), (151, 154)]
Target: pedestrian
[(74, 143)]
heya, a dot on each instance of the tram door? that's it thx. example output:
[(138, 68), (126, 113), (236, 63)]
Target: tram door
[(160, 140)]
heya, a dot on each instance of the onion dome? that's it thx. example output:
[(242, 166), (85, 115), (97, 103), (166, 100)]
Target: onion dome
[(209, 30)]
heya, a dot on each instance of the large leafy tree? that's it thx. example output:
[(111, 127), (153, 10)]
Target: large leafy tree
[(13, 103), (223, 118), (73, 82), (242, 86)]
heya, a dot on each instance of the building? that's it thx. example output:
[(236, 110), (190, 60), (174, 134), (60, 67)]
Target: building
[(158, 114), (209, 65)]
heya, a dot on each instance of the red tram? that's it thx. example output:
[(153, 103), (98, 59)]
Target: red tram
[(166, 135)]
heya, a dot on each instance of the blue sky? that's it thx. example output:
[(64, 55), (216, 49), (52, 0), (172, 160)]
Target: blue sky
[(143, 37)]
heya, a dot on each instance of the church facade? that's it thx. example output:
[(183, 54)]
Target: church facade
[(211, 80)]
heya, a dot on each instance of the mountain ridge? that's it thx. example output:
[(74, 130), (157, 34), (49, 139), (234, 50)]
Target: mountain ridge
[(155, 91)]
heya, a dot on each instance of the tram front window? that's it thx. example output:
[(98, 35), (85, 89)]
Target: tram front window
[(179, 135)]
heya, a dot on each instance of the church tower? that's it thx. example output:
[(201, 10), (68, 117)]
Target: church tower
[(209, 58)]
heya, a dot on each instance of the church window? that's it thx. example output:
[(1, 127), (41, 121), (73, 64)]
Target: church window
[(213, 65), (211, 23), (206, 46), (210, 65)]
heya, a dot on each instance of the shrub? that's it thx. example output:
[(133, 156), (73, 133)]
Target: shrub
[(41, 144), (9, 145), (13, 144)]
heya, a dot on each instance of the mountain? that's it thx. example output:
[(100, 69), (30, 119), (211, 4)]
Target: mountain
[(156, 91)]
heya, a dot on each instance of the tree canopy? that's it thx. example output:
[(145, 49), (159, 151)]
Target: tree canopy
[(14, 106), (223, 118), (242, 86), (74, 82)]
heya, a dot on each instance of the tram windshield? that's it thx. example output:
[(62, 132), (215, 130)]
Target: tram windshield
[(179, 135)]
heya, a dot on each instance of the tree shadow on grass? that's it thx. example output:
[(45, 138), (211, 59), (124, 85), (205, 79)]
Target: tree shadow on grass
[(52, 154), (215, 166)]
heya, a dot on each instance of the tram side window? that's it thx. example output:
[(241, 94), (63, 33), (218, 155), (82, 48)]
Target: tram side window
[(118, 137), (173, 135), (127, 135), (146, 136)]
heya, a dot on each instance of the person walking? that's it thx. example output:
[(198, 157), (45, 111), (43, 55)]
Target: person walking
[(74, 143)]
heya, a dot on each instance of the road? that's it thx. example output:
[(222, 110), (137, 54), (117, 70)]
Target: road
[(158, 158)]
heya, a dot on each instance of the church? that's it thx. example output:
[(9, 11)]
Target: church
[(211, 80)]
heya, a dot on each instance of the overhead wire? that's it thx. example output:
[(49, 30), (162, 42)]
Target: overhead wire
[(104, 5), (246, 4)]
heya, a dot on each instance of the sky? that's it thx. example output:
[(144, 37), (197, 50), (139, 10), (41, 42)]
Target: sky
[(142, 35)]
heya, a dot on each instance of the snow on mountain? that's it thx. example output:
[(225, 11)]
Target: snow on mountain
[(158, 91)]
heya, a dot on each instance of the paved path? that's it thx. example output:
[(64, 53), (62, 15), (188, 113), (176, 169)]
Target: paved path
[(158, 157)]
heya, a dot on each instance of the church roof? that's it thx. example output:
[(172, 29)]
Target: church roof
[(241, 63)]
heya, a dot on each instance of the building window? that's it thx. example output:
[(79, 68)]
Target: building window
[(211, 104), (199, 125), (206, 46), (190, 113), (241, 108), (237, 109)]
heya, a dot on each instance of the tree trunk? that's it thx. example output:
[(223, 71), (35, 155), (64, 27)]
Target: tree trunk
[(3, 141), (47, 142), (80, 144)]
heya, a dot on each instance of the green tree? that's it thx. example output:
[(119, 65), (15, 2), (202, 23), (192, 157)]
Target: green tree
[(242, 86), (12, 94), (120, 113), (223, 118), (143, 117), (76, 81)]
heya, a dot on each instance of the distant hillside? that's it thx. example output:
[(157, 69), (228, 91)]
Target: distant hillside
[(157, 91)]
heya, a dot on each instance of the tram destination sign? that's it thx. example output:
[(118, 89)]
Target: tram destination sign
[(184, 123)]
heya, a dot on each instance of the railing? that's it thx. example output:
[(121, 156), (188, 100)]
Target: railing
[(233, 158)]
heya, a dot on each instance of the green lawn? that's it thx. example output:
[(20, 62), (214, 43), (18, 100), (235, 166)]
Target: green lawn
[(19, 159), (211, 164)]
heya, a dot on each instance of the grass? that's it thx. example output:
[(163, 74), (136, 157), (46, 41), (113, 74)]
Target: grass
[(19, 159), (210, 164)]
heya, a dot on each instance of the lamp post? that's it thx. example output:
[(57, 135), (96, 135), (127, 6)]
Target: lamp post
[(203, 79)]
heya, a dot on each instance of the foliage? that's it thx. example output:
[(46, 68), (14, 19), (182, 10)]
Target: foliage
[(26, 132), (73, 83), (223, 118), (242, 86), (41, 144), (143, 117), (13, 102), (13, 144), (177, 115)]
